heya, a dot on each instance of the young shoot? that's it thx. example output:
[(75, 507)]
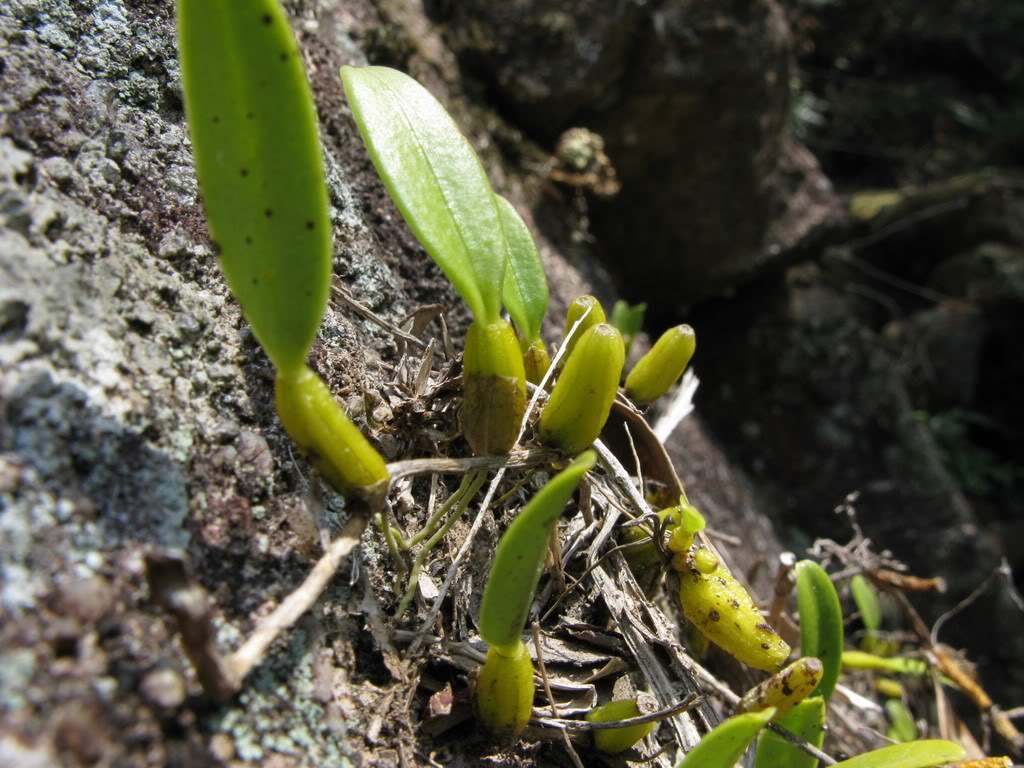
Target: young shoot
[(439, 186), (254, 136), (504, 690)]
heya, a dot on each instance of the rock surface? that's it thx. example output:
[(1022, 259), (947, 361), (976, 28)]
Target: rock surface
[(693, 102)]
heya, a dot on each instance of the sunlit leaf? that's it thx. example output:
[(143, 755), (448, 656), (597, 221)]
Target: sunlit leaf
[(436, 180), (821, 622), (519, 557), (525, 291), (257, 156), (866, 598), (806, 720), (723, 746), (914, 754)]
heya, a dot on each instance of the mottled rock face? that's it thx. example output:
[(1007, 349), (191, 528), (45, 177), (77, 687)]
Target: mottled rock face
[(713, 186), (135, 407), (548, 60)]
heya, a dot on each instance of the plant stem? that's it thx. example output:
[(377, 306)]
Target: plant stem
[(471, 483), (442, 510)]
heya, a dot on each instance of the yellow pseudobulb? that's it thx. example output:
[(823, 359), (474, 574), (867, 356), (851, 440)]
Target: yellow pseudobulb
[(722, 609)]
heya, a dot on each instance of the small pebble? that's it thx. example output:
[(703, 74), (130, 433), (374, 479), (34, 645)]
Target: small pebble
[(163, 688), (86, 599), (222, 747)]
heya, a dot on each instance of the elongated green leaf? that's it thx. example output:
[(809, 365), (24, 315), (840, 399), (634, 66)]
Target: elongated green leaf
[(866, 598), (901, 665), (806, 720), (519, 557), (254, 135), (435, 179), (903, 727), (821, 622), (525, 291), (914, 754), (723, 746)]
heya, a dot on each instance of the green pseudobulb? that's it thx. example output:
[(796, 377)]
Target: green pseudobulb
[(320, 427), (582, 397), (502, 692), (588, 309), (656, 372), (615, 740), (494, 384)]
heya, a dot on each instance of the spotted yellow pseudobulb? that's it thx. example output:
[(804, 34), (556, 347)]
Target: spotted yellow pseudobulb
[(722, 609), (785, 689)]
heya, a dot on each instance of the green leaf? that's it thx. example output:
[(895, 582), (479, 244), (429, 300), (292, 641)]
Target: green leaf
[(725, 745), (806, 720), (898, 664), (821, 622), (436, 180), (866, 598), (629, 319), (915, 754), (525, 291), (903, 726), (519, 557), (257, 156)]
